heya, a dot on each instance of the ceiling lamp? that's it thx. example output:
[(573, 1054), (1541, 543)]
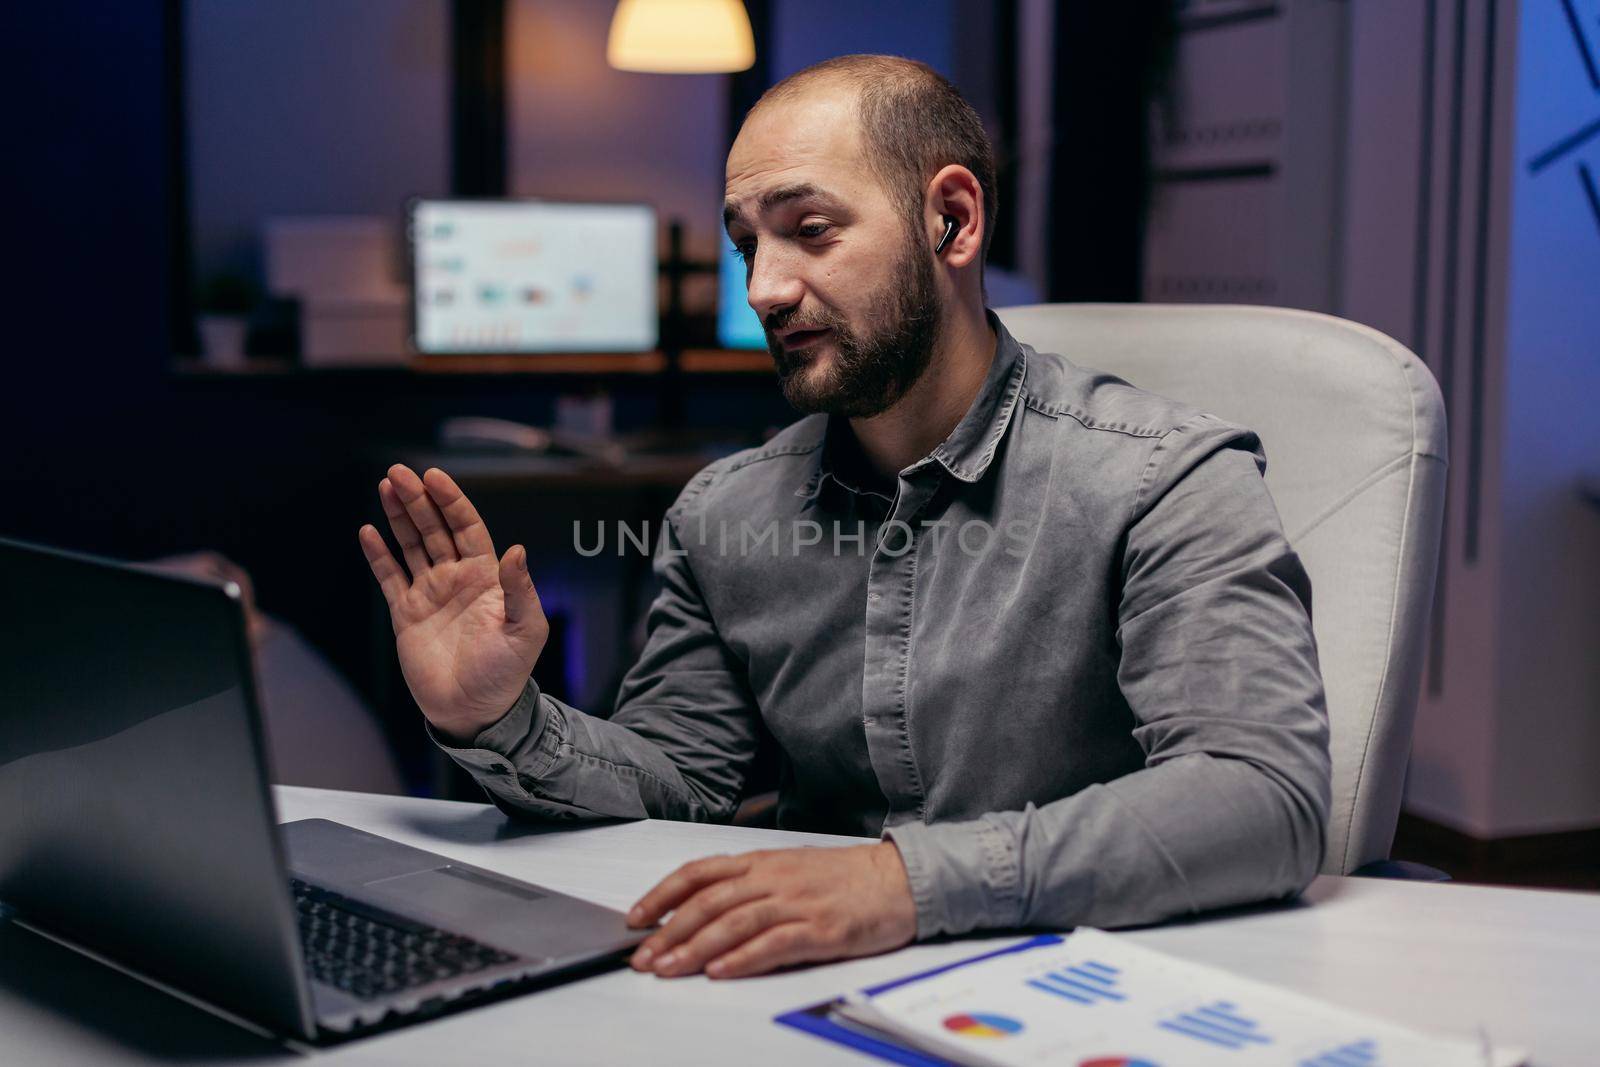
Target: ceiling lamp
[(681, 37)]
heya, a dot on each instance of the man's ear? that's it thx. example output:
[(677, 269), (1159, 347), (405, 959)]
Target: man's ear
[(954, 193)]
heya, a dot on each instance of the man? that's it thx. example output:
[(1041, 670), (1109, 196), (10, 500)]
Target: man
[(1037, 629)]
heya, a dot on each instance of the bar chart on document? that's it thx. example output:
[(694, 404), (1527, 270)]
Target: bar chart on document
[(1098, 1000)]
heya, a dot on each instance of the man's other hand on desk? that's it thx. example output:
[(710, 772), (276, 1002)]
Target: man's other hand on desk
[(734, 916)]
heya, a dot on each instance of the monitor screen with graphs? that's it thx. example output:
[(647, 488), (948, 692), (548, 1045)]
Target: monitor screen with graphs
[(515, 276)]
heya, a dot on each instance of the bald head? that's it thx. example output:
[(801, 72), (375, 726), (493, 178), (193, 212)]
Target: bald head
[(909, 122)]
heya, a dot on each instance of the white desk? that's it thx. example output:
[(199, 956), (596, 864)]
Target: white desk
[(1524, 964)]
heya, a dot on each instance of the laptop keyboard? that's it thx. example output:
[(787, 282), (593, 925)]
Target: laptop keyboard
[(368, 952)]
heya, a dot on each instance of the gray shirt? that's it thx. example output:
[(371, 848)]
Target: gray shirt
[(1065, 663)]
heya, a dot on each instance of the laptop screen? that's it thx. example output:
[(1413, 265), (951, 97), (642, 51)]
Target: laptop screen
[(133, 781)]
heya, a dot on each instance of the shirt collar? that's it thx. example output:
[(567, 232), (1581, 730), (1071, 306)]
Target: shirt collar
[(969, 449)]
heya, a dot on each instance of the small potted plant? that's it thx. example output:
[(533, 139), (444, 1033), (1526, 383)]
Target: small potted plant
[(225, 302)]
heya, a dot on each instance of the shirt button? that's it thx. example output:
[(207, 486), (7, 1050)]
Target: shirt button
[(873, 596)]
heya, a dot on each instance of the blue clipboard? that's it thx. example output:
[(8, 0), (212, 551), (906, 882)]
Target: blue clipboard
[(817, 1019)]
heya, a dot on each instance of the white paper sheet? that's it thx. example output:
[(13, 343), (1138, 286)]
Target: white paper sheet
[(1097, 1000)]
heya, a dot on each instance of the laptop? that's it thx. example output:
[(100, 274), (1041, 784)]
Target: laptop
[(139, 825)]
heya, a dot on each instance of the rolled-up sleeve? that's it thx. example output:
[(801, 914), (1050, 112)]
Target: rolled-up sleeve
[(1219, 667), (679, 745)]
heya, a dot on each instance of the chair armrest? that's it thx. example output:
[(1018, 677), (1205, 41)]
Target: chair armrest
[(1402, 869)]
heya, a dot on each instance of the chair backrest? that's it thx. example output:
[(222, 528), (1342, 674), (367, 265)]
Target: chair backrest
[(1354, 431)]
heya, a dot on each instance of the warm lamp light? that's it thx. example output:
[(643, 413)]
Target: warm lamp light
[(681, 37)]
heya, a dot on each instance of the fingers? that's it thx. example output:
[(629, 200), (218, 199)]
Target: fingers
[(424, 514), (683, 883), (779, 946), (384, 568), (522, 599), (470, 534), (405, 531), (724, 933), (691, 916)]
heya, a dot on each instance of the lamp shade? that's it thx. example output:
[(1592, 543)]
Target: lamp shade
[(681, 37)]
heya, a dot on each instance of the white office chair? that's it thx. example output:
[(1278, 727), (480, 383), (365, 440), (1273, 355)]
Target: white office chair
[(1354, 431)]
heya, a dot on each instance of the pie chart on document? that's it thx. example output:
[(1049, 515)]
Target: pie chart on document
[(982, 1024)]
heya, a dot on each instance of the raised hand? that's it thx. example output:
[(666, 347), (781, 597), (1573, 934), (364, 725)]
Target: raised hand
[(468, 627)]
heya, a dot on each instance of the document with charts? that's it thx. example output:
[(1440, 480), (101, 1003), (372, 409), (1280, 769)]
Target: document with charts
[(1094, 999)]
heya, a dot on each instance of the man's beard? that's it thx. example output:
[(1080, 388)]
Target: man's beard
[(872, 371)]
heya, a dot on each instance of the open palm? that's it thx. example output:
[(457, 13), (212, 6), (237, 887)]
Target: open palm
[(468, 626)]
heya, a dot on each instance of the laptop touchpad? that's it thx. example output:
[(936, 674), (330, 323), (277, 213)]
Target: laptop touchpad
[(430, 883), (506, 913)]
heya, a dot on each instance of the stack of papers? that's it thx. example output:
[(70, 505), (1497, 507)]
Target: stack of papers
[(1098, 1000)]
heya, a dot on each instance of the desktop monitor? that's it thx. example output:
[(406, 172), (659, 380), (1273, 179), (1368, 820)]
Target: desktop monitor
[(529, 276), (738, 326)]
